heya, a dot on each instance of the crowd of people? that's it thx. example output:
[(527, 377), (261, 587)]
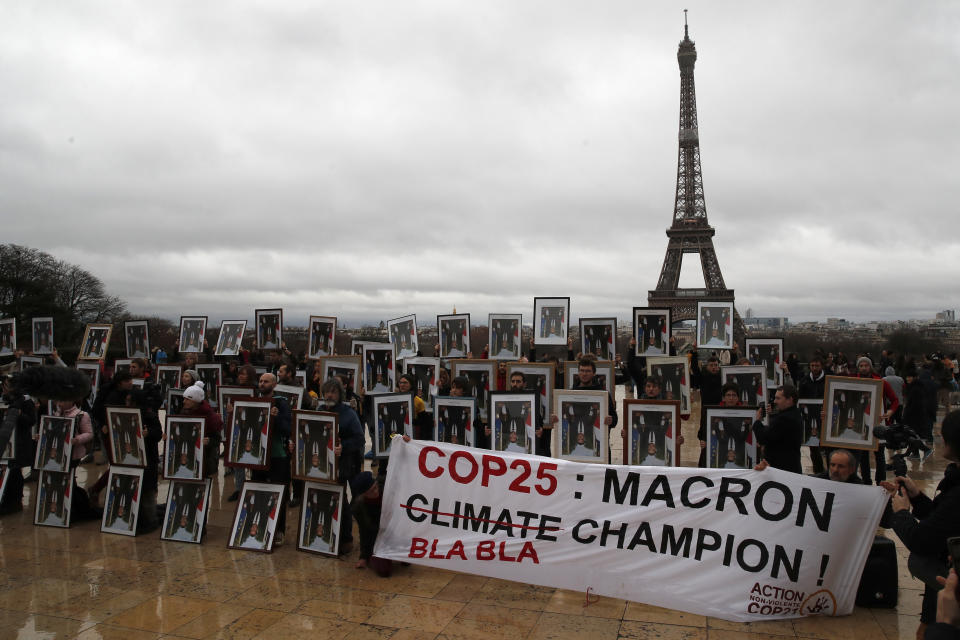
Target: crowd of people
[(913, 391)]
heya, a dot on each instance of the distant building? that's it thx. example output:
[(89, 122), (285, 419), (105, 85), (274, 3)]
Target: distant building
[(947, 316), (775, 324)]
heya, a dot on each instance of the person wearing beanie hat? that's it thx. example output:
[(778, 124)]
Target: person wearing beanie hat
[(891, 405), (196, 405), (195, 392), (188, 377)]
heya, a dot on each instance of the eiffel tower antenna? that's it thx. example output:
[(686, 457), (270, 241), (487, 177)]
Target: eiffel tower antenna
[(691, 231)]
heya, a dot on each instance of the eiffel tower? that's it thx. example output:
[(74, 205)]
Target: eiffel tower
[(690, 232)]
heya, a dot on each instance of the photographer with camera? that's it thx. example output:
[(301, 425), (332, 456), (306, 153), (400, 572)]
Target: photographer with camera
[(925, 531)]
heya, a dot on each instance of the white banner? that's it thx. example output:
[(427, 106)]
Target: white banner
[(734, 544)]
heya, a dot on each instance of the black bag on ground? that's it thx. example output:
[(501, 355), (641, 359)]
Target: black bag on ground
[(879, 584)]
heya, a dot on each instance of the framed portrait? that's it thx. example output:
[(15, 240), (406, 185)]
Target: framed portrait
[(92, 370), (9, 451), (125, 428), (811, 420), (730, 440), (121, 365), (346, 366), (53, 498), (230, 393), (651, 330), (320, 513), (54, 443), (605, 375), (250, 427), (599, 337), (193, 330), (481, 376), (392, 415), (539, 377), (174, 401), (269, 328), (96, 340), (651, 439), (8, 336), (455, 420), (42, 335), (139, 382), (453, 334), (767, 353), (356, 346), (379, 374), (4, 475), (136, 335), (581, 434), (255, 520), (674, 371), (505, 339), (323, 335), (715, 325), (403, 336), (183, 448), (853, 407), (551, 321), (168, 376), (211, 375), (293, 394), (300, 375), (30, 361), (314, 437), (425, 372), (121, 507), (187, 506), (751, 382), (513, 427), (230, 340)]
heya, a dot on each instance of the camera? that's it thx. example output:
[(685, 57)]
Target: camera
[(897, 437)]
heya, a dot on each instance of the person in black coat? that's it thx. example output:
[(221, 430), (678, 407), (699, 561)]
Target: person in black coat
[(810, 387), (783, 437), (925, 531), (22, 446)]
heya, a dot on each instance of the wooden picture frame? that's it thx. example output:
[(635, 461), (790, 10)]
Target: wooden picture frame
[(402, 334), (551, 321), (751, 381), (250, 430), (453, 335), (540, 377), (125, 430), (455, 421), (96, 341), (650, 430), (379, 368), (315, 434), (186, 514), (92, 370), (54, 501), (8, 336), (54, 443), (211, 375), (121, 507), (347, 366), (255, 519), (651, 331), (269, 327), (512, 424), (767, 353), (226, 394), (715, 324), (193, 331), (230, 338), (675, 373), (42, 336), (322, 336), (606, 373), (136, 338), (482, 377), (852, 409), (392, 415), (292, 394), (183, 447), (320, 513), (581, 434), (505, 338), (598, 336), (730, 440)]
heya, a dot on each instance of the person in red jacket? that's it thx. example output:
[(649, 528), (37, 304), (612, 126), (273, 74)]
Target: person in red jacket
[(890, 406), (195, 404)]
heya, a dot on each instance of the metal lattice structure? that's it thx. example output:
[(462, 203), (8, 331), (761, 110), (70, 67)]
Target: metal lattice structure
[(690, 231)]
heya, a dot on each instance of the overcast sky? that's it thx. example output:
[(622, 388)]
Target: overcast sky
[(373, 159)]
